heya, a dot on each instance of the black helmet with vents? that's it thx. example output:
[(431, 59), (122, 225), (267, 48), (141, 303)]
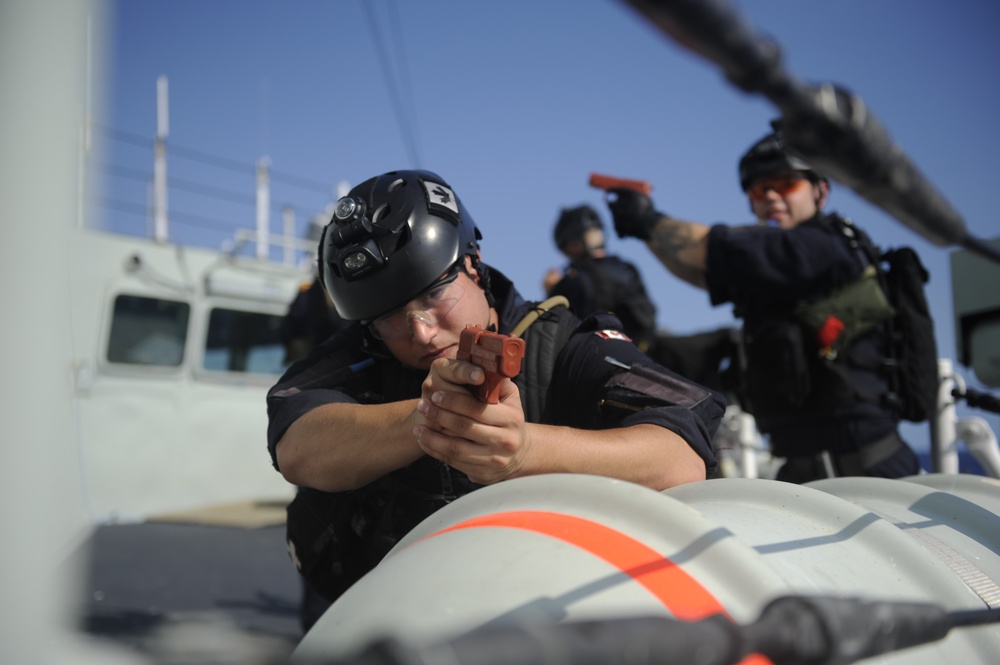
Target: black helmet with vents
[(389, 239), (769, 157), (573, 223)]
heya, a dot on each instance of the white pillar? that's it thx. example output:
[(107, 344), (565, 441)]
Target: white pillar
[(40, 481), (944, 439)]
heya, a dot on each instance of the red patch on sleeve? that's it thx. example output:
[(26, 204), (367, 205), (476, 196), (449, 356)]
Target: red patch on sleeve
[(613, 334)]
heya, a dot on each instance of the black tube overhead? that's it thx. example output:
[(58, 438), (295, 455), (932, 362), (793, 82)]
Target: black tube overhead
[(827, 125)]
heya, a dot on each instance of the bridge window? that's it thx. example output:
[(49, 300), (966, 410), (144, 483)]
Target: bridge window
[(148, 331), (240, 341)]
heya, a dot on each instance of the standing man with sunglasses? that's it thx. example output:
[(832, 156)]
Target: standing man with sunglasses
[(381, 421), (813, 387)]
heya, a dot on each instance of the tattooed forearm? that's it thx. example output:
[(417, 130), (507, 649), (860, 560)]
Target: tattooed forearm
[(682, 247), (672, 239)]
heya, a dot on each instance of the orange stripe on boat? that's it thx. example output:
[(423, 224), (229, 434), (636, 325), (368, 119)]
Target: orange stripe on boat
[(680, 593)]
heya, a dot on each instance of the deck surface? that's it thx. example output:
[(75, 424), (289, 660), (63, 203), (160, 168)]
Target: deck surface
[(174, 592)]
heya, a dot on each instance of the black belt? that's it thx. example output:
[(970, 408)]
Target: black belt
[(857, 462)]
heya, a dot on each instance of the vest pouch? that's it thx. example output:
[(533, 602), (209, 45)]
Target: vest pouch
[(777, 374), (859, 306), (395, 518), (832, 385), (322, 542)]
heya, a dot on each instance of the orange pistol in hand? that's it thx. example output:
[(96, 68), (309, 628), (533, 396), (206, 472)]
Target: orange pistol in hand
[(498, 355), (608, 182)]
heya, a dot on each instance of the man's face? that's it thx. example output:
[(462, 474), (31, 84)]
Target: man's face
[(590, 243), (787, 199), (429, 326)]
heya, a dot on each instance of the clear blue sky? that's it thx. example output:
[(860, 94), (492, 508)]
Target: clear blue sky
[(516, 103)]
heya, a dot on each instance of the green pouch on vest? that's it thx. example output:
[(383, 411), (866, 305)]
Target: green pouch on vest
[(858, 307)]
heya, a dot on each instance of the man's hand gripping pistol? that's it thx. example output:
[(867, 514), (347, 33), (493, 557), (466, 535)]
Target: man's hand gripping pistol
[(633, 211), (498, 355)]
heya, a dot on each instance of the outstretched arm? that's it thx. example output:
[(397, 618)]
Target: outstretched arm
[(681, 246)]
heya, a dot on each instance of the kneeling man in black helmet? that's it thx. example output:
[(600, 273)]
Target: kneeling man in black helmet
[(381, 421)]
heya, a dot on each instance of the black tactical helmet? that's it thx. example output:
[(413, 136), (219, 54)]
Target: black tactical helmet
[(770, 156), (389, 239), (574, 222)]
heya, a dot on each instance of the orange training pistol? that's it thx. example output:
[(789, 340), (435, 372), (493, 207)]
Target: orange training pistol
[(608, 182), (498, 355)]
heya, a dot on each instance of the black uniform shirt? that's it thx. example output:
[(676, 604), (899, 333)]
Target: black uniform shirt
[(609, 284), (765, 272), (762, 268), (342, 370)]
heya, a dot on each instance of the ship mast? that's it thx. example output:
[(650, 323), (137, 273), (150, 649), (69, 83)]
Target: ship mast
[(160, 162)]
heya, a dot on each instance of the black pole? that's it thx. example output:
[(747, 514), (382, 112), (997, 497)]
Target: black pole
[(828, 126), (791, 630)]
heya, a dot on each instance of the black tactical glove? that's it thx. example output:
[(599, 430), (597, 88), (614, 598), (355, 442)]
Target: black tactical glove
[(634, 213)]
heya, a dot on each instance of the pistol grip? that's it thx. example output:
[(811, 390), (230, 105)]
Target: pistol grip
[(489, 390)]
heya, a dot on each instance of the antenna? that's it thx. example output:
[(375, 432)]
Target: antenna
[(288, 224), (86, 136), (160, 162), (263, 209)]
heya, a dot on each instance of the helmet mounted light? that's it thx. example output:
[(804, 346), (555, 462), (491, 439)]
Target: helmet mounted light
[(352, 234)]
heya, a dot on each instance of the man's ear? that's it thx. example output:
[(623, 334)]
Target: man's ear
[(822, 194), (470, 267)]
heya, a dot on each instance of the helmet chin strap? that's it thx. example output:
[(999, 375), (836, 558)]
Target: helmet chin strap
[(484, 279), (491, 321), (483, 273)]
